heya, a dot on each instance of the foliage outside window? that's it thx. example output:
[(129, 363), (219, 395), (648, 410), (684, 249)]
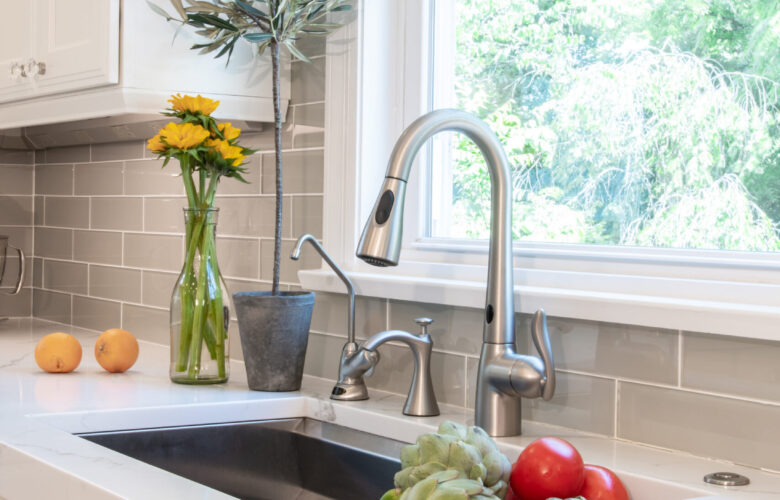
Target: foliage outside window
[(645, 123)]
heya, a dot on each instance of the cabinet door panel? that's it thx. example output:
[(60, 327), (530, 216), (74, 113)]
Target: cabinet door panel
[(16, 45), (78, 40)]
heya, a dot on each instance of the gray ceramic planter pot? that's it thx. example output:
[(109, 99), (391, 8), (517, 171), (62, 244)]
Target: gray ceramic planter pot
[(274, 331)]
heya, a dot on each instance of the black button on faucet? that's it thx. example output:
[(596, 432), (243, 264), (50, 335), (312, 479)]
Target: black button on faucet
[(385, 207)]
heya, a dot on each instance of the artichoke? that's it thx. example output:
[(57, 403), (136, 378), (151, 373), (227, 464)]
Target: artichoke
[(465, 458), (445, 485)]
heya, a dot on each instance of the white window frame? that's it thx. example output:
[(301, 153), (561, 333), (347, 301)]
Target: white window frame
[(377, 76)]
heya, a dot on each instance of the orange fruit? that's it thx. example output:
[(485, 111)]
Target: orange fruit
[(58, 353), (116, 350)]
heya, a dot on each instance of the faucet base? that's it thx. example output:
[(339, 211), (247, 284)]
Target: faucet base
[(498, 411), (349, 392)]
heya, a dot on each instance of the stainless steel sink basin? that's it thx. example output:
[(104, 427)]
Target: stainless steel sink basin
[(274, 459)]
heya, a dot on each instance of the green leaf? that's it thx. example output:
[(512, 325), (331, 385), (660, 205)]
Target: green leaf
[(257, 37), (251, 10), (295, 52), (280, 9), (212, 20), (224, 50)]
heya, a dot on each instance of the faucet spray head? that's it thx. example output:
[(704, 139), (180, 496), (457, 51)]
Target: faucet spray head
[(380, 244)]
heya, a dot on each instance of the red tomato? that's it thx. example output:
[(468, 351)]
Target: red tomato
[(602, 484), (548, 467), (510, 495)]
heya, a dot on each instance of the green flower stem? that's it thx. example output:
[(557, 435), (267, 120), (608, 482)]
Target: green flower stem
[(198, 321), (208, 336), (188, 301), (218, 314)]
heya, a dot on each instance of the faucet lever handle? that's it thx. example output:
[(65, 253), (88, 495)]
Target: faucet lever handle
[(424, 324), (541, 338)]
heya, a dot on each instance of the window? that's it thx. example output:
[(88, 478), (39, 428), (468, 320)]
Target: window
[(650, 123), (389, 66)]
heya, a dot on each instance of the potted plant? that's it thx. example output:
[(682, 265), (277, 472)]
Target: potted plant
[(273, 325)]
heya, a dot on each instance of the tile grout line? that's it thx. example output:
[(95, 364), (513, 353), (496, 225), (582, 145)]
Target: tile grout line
[(616, 422), (465, 382), (679, 357)]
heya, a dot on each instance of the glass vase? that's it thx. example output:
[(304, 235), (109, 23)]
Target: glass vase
[(200, 307)]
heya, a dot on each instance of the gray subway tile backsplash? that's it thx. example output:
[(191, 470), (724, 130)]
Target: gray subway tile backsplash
[(16, 157), (289, 268), (153, 251), (53, 306), (16, 179), (99, 179), (456, 329), (54, 179), (99, 247), (157, 288), (302, 172), (16, 210), (67, 154), (148, 177), (130, 150), (307, 215), (239, 257), (743, 367), (53, 242), (117, 213), (17, 305), (323, 354), (580, 402), (146, 323), (65, 276), (247, 216), (115, 283), (742, 431), (39, 205), (330, 315), (67, 211), (625, 351), (20, 237), (96, 314), (164, 215)]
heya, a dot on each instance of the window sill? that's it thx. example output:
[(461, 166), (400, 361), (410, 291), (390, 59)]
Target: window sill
[(679, 304)]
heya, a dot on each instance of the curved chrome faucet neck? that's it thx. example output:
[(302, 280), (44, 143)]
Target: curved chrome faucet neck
[(378, 241)]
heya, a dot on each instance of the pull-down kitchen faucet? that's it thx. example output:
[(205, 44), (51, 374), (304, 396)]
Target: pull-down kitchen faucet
[(504, 376)]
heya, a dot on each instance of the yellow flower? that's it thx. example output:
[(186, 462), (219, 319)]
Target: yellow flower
[(156, 145), (184, 135), (226, 150), (238, 161), (229, 131), (198, 104)]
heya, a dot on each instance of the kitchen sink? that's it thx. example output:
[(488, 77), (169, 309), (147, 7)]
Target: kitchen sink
[(291, 458)]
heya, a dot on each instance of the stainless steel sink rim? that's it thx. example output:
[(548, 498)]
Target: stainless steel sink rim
[(282, 458)]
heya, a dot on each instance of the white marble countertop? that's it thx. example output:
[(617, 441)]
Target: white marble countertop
[(39, 412)]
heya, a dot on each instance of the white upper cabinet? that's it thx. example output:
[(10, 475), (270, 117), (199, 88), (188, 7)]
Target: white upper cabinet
[(74, 46), (54, 46), (17, 45)]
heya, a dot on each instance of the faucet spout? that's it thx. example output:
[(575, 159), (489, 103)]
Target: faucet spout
[(381, 240)]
